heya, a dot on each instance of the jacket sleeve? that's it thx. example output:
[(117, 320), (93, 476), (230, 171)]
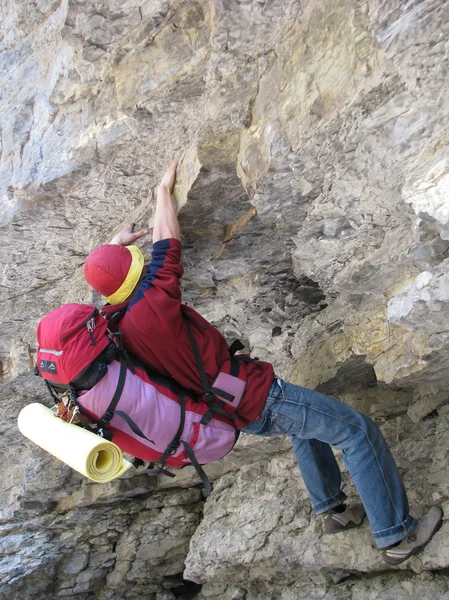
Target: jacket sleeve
[(158, 299)]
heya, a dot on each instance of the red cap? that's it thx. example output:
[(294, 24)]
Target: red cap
[(114, 271)]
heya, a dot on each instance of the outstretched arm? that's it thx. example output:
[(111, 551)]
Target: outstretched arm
[(158, 299), (166, 224)]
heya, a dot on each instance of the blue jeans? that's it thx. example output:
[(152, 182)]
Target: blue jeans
[(317, 422)]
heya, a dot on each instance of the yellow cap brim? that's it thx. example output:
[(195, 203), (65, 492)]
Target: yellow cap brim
[(133, 276)]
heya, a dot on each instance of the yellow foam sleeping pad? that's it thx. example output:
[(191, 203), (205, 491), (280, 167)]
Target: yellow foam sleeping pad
[(92, 456)]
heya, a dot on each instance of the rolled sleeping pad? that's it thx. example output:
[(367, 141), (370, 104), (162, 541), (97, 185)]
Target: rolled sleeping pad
[(92, 456)]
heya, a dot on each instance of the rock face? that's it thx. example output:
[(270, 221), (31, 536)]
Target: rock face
[(313, 199)]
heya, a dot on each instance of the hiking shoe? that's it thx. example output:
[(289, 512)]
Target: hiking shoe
[(334, 522), (417, 539)]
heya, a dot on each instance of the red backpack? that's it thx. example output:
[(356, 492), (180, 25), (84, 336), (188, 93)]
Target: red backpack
[(115, 396), (69, 339)]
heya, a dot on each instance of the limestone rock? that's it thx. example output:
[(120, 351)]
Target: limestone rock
[(312, 195), (384, 587)]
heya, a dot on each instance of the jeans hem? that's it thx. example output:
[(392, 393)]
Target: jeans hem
[(329, 503), (394, 534)]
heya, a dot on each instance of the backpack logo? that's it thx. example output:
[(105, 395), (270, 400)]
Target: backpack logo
[(48, 366)]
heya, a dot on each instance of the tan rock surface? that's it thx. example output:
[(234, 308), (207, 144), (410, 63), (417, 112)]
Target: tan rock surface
[(312, 191)]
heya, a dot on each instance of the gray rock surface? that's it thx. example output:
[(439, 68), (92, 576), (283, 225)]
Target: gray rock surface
[(313, 198)]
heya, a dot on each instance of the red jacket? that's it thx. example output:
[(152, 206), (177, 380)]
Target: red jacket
[(155, 331)]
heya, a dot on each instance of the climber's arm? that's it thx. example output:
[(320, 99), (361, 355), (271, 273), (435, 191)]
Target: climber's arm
[(166, 224)]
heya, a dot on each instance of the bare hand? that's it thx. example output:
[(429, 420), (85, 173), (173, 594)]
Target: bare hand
[(126, 236), (168, 180)]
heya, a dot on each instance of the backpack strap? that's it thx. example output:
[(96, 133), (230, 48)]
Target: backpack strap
[(139, 462), (107, 416), (55, 397), (132, 425), (53, 394), (174, 445), (235, 347), (116, 316), (199, 362), (234, 371), (80, 413), (118, 335), (215, 406), (153, 471), (204, 478)]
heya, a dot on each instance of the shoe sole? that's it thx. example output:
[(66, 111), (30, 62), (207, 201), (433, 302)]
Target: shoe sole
[(393, 562)]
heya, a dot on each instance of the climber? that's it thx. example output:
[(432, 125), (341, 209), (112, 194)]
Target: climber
[(145, 304), (154, 323)]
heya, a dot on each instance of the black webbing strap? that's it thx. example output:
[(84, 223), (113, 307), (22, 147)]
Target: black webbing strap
[(204, 478), (153, 471), (199, 362), (55, 396), (235, 368), (226, 395), (245, 359), (106, 418), (216, 406), (235, 347), (132, 425), (119, 337), (174, 444), (116, 316), (81, 413), (207, 417), (85, 424), (234, 371)]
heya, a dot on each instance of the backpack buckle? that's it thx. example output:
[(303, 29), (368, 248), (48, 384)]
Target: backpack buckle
[(105, 434), (106, 418), (90, 328), (207, 417), (210, 397), (173, 447)]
